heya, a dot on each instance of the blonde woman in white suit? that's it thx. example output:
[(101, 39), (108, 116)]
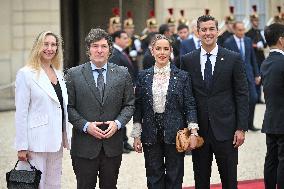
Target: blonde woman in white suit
[(41, 118)]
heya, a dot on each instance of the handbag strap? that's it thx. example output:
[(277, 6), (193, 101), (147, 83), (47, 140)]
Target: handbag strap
[(32, 167)]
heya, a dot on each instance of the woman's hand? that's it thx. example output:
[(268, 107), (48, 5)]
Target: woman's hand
[(23, 155), (137, 145), (193, 142)]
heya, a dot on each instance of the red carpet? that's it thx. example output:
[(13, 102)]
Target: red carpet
[(246, 184)]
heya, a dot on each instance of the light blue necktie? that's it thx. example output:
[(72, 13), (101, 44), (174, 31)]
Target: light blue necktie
[(242, 50)]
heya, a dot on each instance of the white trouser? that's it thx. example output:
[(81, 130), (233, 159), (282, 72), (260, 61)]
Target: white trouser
[(50, 164)]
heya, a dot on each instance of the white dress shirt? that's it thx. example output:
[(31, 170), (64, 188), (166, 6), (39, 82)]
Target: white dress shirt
[(238, 43), (277, 50), (203, 59)]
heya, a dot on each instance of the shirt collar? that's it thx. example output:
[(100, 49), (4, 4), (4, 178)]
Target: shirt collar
[(277, 50), (117, 47), (164, 70), (213, 52), (238, 39), (94, 67)]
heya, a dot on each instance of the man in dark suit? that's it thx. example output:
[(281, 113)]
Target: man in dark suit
[(191, 44), (101, 102), (120, 58), (221, 93), (183, 33), (258, 44), (272, 72), (243, 45)]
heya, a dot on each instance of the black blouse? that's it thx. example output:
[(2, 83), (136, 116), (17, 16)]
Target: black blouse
[(58, 91)]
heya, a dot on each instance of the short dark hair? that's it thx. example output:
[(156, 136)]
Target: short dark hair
[(205, 18), (117, 34), (97, 34), (182, 26), (163, 29), (273, 32)]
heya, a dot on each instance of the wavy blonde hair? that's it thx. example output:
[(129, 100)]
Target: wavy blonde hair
[(34, 60)]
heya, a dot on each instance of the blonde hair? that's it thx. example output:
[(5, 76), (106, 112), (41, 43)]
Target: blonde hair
[(34, 60)]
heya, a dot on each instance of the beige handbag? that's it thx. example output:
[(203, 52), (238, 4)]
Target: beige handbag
[(183, 142)]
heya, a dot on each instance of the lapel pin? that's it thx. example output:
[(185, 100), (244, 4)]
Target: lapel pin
[(111, 70), (222, 58), (175, 77)]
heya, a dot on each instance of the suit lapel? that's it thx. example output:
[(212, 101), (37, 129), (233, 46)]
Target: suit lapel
[(197, 68), (218, 65), (110, 80), (235, 46), (149, 83), (246, 44), (43, 82), (88, 74), (63, 86), (172, 85)]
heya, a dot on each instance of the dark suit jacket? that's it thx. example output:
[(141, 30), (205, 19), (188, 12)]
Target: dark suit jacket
[(148, 60), (226, 103), (85, 106), (222, 38), (120, 59), (187, 46), (179, 109), (272, 72), (251, 66), (255, 35)]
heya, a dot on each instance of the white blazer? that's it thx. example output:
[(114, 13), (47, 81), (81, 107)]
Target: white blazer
[(38, 117)]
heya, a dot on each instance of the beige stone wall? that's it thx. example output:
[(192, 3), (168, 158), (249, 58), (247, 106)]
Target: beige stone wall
[(21, 21)]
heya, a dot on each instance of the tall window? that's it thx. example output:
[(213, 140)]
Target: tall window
[(243, 9)]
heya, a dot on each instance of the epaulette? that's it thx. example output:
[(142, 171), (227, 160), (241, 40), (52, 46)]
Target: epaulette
[(143, 37), (137, 36)]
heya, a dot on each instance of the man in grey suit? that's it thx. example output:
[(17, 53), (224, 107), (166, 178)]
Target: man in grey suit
[(101, 102)]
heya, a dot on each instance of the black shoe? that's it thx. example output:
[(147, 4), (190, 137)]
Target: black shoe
[(126, 151), (188, 153), (128, 146), (253, 128), (260, 102)]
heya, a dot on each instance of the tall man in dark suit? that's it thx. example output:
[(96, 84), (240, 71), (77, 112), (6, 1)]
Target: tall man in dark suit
[(221, 93), (101, 102), (120, 58), (191, 44), (243, 45), (258, 44), (272, 71)]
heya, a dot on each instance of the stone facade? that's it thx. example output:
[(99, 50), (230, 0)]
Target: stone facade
[(21, 21)]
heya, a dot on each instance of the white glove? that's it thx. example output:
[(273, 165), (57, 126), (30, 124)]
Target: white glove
[(260, 45), (133, 53)]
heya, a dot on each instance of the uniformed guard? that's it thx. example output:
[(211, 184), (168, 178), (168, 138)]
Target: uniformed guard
[(183, 19), (278, 18), (228, 29), (259, 43), (150, 30), (114, 22), (134, 48), (171, 21)]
